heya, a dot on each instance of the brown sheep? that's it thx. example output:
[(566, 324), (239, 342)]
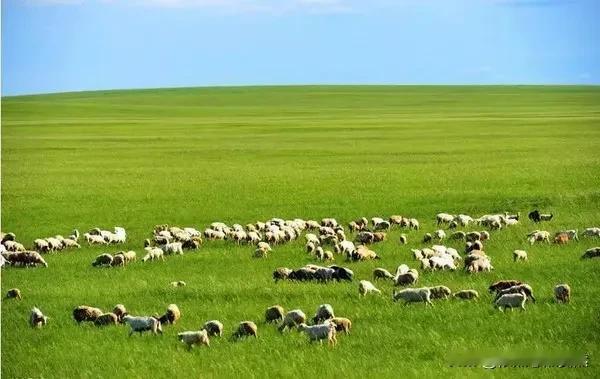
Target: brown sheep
[(379, 236), (503, 284), (561, 238), (245, 329), (86, 313), (274, 314), (342, 324), (106, 319), (120, 311)]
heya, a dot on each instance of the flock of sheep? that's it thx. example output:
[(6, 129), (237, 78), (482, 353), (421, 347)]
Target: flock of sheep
[(324, 241)]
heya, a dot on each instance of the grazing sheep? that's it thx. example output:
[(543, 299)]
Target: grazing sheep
[(511, 300), (13, 246), (94, 239), (120, 311), (440, 292), (260, 253), (246, 329), (14, 293), (407, 278), (562, 293), (171, 315), (173, 248), (86, 313), (592, 232), (413, 295), (572, 234), (427, 238), (103, 260), (525, 289), (402, 269), (413, 223), (106, 319), (536, 216), (593, 252), (118, 260), (130, 256), (538, 236), (142, 323), (460, 235), (381, 273), (442, 263), (342, 273), (324, 274), (503, 284), (153, 253), (324, 312), (439, 234), (191, 338), (479, 264), (41, 245), (444, 218), (320, 332), (467, 294), (342, 324), (281, 273), (473, 236), (213, 328), (25, 258), (425, 264), (519, 255), (274, 313), (561, 238), (365, 287), (179, 283), (365, 237), (382, 225), (37, 318), (292, 319), (68, 242)]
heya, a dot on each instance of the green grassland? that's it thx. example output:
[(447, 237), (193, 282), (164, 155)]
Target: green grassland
[(189, 157)]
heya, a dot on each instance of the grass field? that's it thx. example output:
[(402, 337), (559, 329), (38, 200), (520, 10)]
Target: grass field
[(192, 156)]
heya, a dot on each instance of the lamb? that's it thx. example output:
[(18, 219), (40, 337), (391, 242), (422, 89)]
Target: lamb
[(14, 293), (106, 319), (440, 292), (130, 256), (324, 312), (519, 255), (413, 295), (381, 273), (512, 300), (320, 332), (37, 318), (171, 315), (592, 232), (245, 329), (213, 328), (562, 293), (292, 319), (86, 313), (467, 294), (120, 311), (503, 284), (593, 252), (365, 287), (153, 253), (342, 324), (143, 323), (525, 289), (407, 278), (274, 313)]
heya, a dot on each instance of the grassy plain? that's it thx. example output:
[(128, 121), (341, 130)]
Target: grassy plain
[(191, 156)]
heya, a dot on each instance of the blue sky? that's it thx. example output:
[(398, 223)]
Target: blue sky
[(68, 45)]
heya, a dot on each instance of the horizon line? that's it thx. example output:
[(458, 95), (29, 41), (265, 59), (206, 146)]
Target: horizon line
[(59, 92)]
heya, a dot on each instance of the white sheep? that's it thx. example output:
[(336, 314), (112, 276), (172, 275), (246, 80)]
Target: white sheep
[(413, 295), (511, 300), (444, 218), (37, 318), (191, 338), (153, 253), (442, 263), (439, 234), (320, 332), (173, 248), (94, 239), (519, 255), (592, 232), (142, 323), (365, 287)]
